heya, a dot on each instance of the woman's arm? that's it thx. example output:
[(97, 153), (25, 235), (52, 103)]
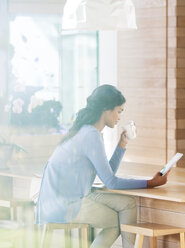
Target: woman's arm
[(94, 150), (119, 152), (116, 158)]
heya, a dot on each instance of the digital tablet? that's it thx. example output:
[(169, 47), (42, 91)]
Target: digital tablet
[(170, 163)]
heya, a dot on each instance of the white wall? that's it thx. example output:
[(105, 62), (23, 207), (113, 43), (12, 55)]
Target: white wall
[(108, 57), (108, 75)]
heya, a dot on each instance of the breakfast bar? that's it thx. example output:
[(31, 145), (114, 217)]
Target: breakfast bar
[(160, 205)]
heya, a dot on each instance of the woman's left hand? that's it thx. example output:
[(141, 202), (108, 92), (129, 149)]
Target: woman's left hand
[(157, 180), (123, 140)]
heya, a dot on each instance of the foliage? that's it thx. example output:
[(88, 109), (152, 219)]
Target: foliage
[(44, 115), (26, 109)]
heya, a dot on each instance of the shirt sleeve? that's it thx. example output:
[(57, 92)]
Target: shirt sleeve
[(94, 150), (116, 158)]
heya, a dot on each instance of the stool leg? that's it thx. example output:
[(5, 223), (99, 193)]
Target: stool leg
[(91, 234), (36, 229), (46, 237), (68, 235), (84, 237), (182, 244), (139, 241), (154, 241), (80, 238), (43, 237)]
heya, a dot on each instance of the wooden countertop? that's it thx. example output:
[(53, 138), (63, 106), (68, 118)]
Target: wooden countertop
[(174, 190)]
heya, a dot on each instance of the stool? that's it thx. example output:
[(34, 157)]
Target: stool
[(50, 227), (152, 230)]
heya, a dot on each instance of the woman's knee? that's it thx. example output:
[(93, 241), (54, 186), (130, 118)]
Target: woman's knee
[(98, 215), (116, 202), (124, 202)]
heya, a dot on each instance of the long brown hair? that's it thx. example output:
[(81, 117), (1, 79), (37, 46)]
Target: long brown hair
[(104, 97)]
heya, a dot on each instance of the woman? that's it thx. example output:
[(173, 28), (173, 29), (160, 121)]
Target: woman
[(65, 194)]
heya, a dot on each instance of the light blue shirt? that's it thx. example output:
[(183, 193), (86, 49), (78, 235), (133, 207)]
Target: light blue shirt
[(70, 173)]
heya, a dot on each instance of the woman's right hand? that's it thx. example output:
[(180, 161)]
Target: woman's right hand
[(123, 140), (157, 180)]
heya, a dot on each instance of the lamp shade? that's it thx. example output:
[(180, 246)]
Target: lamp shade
[(99, 15)]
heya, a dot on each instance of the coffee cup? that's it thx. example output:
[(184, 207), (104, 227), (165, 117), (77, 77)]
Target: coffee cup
[(130, 129)]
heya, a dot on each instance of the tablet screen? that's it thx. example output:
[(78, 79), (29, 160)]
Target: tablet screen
[(170, 163)]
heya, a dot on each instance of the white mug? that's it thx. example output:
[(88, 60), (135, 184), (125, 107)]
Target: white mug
[(130, 129)]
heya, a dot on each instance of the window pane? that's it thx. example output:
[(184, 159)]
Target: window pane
[(51, 65), (79, 70), (35, 58)]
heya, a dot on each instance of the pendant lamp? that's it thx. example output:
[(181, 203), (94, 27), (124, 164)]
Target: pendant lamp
[(99, 15)]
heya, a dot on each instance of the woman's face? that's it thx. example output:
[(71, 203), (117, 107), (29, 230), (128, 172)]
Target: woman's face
[(112, 117)]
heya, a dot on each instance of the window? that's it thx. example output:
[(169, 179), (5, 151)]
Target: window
[(79, 70), (35, 60), (53, 65)]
